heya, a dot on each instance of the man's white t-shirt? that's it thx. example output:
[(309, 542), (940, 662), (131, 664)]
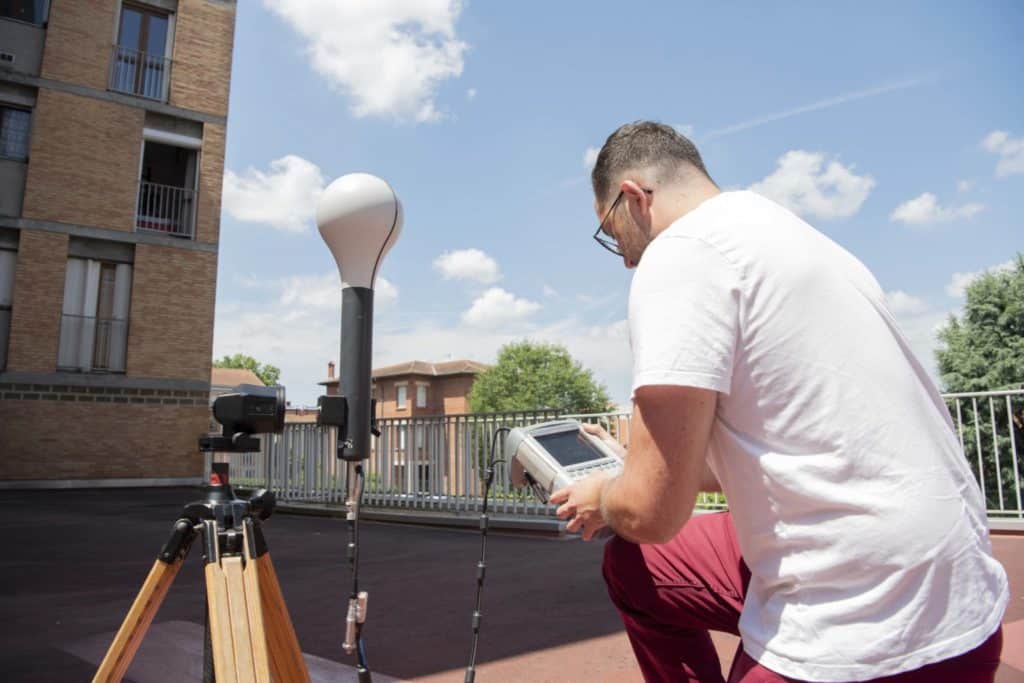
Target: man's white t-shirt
[(854, 507)]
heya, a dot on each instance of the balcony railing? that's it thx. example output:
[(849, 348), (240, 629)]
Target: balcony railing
[(88, 343), (166, 209), (438, 463), (139, 73)]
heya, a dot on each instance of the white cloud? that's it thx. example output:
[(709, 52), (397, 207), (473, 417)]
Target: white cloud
[(496, 308), (467, 264), (958, 283), (964, 185), (324, 291), (801, 184), (590, 157), (1010, 151), (284, 198), (901, 303), (925, 209), (389, 56), (921, 331), (549, 291), (471, 94)]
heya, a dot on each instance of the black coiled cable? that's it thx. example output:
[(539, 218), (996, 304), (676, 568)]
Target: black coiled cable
[(481, 566), (362, 669)]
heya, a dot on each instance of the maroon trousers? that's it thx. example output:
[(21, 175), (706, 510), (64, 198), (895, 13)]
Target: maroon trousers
[(671, 595)]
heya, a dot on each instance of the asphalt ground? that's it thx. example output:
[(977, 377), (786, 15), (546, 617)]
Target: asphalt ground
[(74, 560)]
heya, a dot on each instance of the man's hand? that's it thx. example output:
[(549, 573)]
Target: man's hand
[(580, 503), (601, 433)]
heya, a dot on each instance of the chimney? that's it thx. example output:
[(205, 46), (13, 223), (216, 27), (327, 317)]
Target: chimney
[(330, 370)]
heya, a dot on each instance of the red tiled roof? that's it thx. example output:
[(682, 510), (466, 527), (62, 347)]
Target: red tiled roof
[(419, 367), (232, 377)]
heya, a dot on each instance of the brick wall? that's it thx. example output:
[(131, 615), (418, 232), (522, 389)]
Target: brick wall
[(211, 182), (203, 39), (80, 433), (84, 161), (79, 38), (170, 332), (454, 393), (38, 297), (446, 395)]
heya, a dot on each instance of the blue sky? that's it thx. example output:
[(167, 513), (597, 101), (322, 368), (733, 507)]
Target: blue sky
[(898, 132)]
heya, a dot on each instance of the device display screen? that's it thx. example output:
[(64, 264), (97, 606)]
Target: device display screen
[(569, 448)]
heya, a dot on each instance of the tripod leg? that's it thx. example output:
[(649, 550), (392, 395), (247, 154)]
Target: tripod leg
[(286, 661), (126, 643), (242, 637), (219, 609), (254, 605)]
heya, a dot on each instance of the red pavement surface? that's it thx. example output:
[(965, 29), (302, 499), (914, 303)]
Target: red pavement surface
[(608, 659)]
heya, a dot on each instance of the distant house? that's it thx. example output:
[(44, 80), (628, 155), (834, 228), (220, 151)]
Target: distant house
[(224, 381), (419, 388)]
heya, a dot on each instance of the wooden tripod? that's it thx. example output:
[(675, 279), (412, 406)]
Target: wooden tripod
[(250, 631)]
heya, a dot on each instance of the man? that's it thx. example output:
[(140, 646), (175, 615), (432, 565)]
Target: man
[(765, 358)]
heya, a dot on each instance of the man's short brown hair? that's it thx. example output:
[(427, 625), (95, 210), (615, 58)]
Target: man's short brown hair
[(643, 144)]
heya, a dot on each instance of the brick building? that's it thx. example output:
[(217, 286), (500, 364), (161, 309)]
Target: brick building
[(418, 388), (111, 163), (419, 448)]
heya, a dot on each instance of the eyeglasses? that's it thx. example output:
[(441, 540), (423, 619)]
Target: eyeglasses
[(601, 237)]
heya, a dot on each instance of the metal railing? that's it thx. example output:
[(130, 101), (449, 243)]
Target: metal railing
[(91, 343), (166, 209), (139, 73), (434, 464), (990, 426), (437, 463)]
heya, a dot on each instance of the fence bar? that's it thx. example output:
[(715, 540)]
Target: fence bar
[(437, 463), (1013, 450), (995, 446), (977, 440)]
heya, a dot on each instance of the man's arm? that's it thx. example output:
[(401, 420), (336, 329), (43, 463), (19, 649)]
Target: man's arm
[(654, 496)]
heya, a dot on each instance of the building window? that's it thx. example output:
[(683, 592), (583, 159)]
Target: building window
[(423, 479), (167, 190), (400, 396), (14, 128), (7, 262), (31, 11), (94, 322), (421, 395), (139, 65)]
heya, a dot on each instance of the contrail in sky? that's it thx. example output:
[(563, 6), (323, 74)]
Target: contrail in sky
[(817, 106)]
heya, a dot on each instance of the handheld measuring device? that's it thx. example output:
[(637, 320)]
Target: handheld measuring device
[(552, 455)]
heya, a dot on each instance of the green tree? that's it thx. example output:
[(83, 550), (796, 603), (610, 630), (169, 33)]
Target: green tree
[(534, 376), (268, 374), (983, 350)]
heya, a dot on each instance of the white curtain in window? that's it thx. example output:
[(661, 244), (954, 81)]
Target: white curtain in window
[(7, 261), (78, 322), (119, 329)]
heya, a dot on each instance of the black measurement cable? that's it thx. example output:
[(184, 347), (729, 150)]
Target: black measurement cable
[(363, 669), (481, 566)]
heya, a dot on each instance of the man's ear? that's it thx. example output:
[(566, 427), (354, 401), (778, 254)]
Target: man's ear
[(639, 201)]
